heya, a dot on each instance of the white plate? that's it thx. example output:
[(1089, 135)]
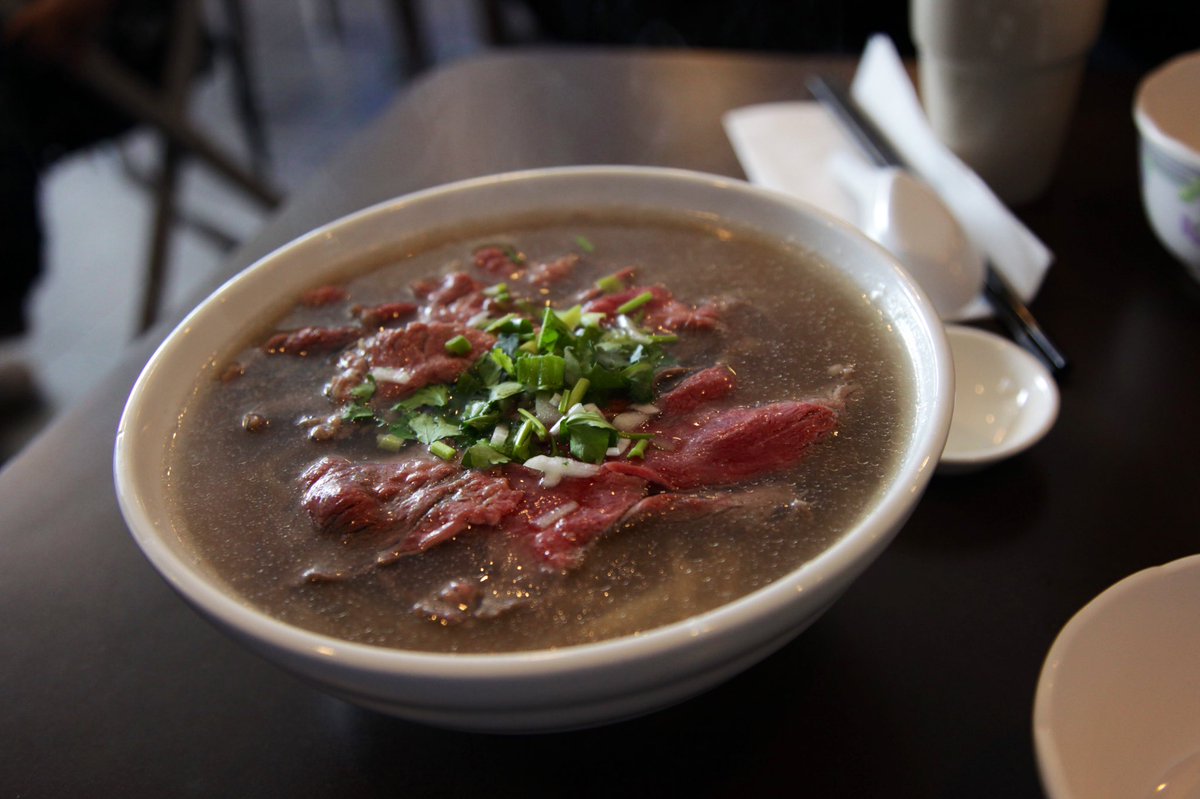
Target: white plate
[(1117, 712), (1005, 400)]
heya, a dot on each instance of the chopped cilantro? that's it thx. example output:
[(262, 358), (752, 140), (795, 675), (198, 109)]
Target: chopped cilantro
[(483, 456), (537, 391), (364, 390), (358, 413), (429, 428)]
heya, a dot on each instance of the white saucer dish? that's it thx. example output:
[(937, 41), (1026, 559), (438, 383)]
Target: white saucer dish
[(1005, 400), (1117, 712), (571, 686)]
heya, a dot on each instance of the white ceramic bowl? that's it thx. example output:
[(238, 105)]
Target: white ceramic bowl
[(1005, 400), (572, 686), (1167, 113), (1117, 712)]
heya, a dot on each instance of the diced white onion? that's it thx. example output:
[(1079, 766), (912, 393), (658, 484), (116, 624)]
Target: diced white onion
[(388, 374), (555, 469), (622, 445), (551, 516), (499, 435), (546, 410), (573, 410), (478, 319), (634, 332), (629, 420), (646, 408)]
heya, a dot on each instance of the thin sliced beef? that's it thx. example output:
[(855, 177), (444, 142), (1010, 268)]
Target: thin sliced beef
[(384, 314), (323, 295), (405, 506), (760, 501), (543, 273), (663, 312), (457, 297), (311, 340), (497, 262), (505, 264), (403, 360), (729, 445), (557, 524), (701, 388)]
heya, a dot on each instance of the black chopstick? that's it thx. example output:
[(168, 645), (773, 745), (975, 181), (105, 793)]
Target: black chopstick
[(1010, 310)]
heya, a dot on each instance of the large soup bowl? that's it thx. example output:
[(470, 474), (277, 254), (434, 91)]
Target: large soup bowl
[(571, 686)]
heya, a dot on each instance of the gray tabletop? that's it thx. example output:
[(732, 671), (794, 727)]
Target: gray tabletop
[(919, 682)]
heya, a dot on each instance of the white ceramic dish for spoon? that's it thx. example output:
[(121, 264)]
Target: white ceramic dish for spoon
[(1005, 400), (1117, 710)]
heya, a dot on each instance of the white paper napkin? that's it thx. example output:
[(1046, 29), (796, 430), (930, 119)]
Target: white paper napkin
[(789, 147)]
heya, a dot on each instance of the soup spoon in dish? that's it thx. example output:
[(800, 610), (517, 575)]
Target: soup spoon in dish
[(908, 219), (1005, 400)]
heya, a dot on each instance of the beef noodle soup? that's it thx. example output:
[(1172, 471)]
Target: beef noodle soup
[(541, 433)]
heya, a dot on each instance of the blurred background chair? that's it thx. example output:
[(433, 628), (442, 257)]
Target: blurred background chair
[(165, 109)]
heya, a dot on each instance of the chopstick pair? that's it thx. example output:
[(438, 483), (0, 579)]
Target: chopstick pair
[(1010, 309)]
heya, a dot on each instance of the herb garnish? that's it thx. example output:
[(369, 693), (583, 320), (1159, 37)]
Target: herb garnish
[(538, 391)]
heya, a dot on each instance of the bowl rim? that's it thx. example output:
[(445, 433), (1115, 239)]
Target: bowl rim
[(851, 554), (1052, 769)]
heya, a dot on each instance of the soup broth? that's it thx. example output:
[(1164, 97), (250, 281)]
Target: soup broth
[(787, 326)]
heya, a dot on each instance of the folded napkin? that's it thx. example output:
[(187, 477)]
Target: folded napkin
[(790, 146)]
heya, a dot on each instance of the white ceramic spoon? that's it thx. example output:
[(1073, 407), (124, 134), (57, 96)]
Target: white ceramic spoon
[(909, 219)]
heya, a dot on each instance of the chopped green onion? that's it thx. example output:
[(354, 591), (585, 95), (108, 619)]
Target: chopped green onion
[(522, 440), (610, 284), (390, 442), (575, 395), (636, 302), (571, 316), (459, 345), (510, 323), (585, 245), (358, 413), (592, 319), (535, 423), (498, 292), (638, 450), (541, 372), (443, 450)]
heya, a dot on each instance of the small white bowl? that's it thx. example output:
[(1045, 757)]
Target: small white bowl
[(1167, 113), (572, 686), (1117, 711), (1005, 400)]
